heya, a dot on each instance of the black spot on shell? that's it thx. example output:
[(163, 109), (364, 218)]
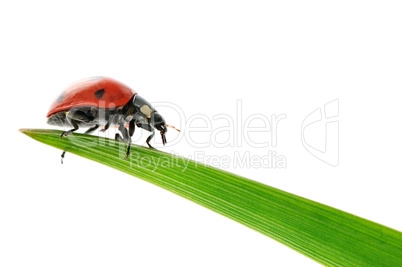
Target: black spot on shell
[(99, 93), (60, 98)]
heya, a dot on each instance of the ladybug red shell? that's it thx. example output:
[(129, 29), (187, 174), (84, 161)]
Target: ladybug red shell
[(92, 92), (102, 101)]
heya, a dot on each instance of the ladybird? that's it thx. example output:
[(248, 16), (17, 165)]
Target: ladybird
[(102, 101)]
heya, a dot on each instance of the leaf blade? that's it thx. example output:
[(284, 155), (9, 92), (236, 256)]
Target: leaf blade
[(325, 234)]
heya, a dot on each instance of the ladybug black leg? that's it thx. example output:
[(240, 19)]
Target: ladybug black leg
[(118, 137), (124, 132), (150, 138), (90, 130), (149, 128), (126, 135), (62, 156), (106, 127), (74, 124), (131, 128)]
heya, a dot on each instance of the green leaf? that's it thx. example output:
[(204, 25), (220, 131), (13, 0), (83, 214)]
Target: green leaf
[(328, 235)]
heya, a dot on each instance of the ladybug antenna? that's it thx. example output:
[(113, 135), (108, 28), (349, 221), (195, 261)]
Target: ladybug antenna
[(170, 126)]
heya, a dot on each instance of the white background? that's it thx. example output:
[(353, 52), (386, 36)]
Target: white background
[(287, 58)]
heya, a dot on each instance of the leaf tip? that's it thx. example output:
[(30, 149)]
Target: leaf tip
[(26, 131)]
